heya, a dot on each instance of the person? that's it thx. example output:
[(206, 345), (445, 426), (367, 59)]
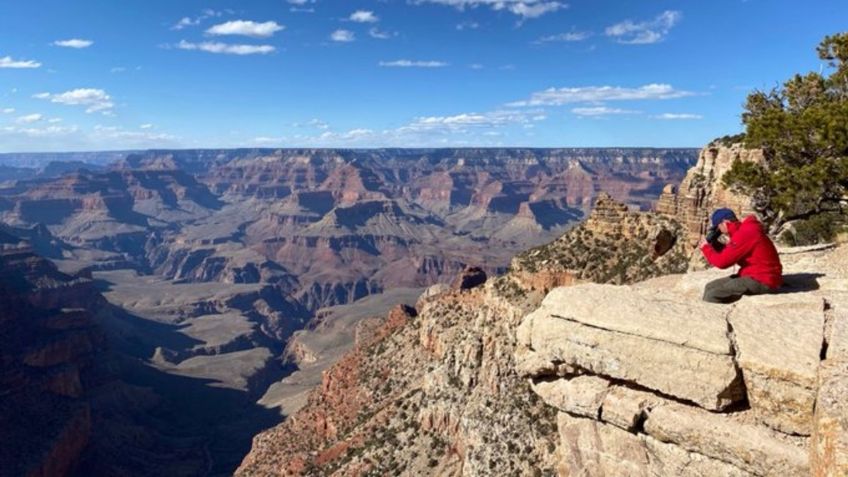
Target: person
[(749, 247)]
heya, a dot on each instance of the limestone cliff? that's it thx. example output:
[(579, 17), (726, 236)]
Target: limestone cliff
[(648, 380), (701, 190), (436, 390)]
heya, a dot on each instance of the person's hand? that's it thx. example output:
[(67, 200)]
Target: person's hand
[(702, 242)]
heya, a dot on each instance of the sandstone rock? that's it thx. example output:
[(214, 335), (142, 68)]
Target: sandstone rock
[(752, 448), (581, 395), (469, 278), (625, 408), (711, 380), (591, 448), (778, 349), (649, 314), (671, 460), (829, 443), (701, 190)]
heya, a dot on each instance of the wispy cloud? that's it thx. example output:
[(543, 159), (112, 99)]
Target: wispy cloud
[(74, 43), (7, 110), (458, 129), (36, 132), (677, 116), (569, 37), (226, 48), (343, 36), (146, 126), (246, 28), (29, 118), (186, 22), (522, 8), (589, 94), (379, 34), (363, 16), (8, 62), (412, 64), (644, 33), (600, 111), (94, 100), (467, 26)]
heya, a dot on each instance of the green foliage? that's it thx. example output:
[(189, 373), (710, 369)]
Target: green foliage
[(817, 229), (802, 128)]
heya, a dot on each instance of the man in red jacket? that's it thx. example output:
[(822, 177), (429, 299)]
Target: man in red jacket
[(749, 247)]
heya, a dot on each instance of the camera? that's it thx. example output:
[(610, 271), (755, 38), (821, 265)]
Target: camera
[(713, 238)]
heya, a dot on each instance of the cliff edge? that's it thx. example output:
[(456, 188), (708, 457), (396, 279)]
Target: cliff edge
[(649, 380)]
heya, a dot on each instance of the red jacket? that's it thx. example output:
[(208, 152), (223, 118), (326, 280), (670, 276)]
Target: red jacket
[(751, 249)]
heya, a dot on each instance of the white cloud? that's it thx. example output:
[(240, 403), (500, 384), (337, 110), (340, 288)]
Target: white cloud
[(588, 94), (300, 2), (29, 118), (226, 48), (7, 110), (118, 69), (380, 35), (644, 33), (188, 21), (146, 126), (33, 132), (412, 64), (342, 36), (54, 120), (522, 8), (677, 116), (74, 43), (184, 22), (246, 28), (8, 62), (597, 111), (565, 37), (95, 100), (134, 138), (467, 26), (363, 16)]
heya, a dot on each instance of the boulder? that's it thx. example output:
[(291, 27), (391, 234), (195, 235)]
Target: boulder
[(779, 342), (708, 379)]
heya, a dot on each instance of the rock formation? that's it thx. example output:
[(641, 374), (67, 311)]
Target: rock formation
[(440, 393), (48, 342), (648, 380), (701, 190)]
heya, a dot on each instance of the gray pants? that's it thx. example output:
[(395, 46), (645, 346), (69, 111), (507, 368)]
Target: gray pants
[(730, 289)]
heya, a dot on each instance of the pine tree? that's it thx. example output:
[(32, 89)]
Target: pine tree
[(802, 128)]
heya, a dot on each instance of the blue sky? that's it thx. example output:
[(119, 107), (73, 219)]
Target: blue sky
[(106, 74)]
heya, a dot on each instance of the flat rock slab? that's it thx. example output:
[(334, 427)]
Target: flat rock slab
[(752, 448), (590, 448), (647, 313), (710, 380), (778, 348), (581, 395)]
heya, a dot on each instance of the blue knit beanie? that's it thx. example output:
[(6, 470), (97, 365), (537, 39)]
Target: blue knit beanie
[(722, 214)]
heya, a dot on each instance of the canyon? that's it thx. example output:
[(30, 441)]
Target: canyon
[(222, 283), (593, 355)]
